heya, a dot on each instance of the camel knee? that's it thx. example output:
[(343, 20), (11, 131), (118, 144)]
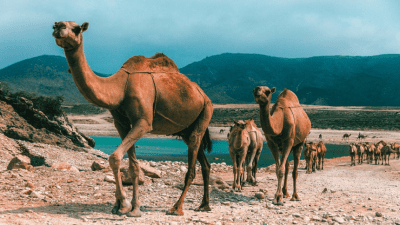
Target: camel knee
[(114, 161)]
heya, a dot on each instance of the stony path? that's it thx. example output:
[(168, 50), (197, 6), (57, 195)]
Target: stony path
[(340, 194)]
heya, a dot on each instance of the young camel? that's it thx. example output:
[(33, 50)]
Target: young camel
[(239, 142), (321, 150), (377, 152), (360, 153), (285, 127), (396, 149), (386, 151), (352, 151), (254, 151), (370, 149), (147, 95), (310, 155)]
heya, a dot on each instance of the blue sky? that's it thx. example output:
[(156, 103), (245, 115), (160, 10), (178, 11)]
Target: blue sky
[(190, 30)]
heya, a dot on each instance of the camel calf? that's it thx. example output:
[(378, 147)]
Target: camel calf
[(352, 151), (310, 155), (239, 142), (370, 149), (396, 149), (321, 150), (254, 150)]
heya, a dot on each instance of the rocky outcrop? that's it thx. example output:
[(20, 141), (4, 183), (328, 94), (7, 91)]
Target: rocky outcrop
[(20, 119)]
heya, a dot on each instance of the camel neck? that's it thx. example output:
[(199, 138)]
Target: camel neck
[(271, 124), (92, 87)]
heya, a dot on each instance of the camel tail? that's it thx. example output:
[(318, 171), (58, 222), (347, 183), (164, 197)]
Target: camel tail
[(206, 143)]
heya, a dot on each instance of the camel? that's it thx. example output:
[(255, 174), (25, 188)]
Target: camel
[(321, 150), (377, 152), (147, 95), (396, 149), (353, 150), (254, 151), (360, 153), (320, 137), (310, 155), (346, 136), (361, 136), (239, 142), (386, 151), (285, 127), (370, 149), (221, 131)]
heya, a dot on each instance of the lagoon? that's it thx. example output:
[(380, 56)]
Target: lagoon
[(168, 149)]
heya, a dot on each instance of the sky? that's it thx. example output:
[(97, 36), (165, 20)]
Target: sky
[(190, 30)]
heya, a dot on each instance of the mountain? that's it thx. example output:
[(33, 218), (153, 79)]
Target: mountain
[(44, 75), (230, 78), (325, 80)]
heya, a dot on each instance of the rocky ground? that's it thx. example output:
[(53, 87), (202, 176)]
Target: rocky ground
[(340, 194)]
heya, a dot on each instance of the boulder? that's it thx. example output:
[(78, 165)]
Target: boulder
[(126, 178), (99, 165), (20, 161), (150, 171)]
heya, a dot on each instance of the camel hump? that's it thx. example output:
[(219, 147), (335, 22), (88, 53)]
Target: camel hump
[(287, 99), (157, 63)]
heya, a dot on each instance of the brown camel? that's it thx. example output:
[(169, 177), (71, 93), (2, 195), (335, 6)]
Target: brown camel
[(353, 151), (370, 149), (377, 152), (360, 153), (285, 127), (310, 155), (254, 151), (396, 149), (147, 95), (346, 136), (321, 150), (239, 142)]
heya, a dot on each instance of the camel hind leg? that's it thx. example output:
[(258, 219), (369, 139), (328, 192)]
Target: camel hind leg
[(194, 142), (296, 158)]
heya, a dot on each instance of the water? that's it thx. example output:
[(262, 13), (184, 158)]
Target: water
[(166, 149)]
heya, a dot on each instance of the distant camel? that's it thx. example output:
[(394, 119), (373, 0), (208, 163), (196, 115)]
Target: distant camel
[(221, 131), (360, 153), (321, 150), (352, 151), (346, 136), (361, 136), (320, 136), (370, 149), (285, 127), (396, 149), (310, 155)]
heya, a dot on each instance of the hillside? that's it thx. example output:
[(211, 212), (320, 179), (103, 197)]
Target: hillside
[(230, 78), (43, 75), (330, 80)]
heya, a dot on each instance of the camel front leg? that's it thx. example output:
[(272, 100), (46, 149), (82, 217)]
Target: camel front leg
[(140, 128), (280, 171), (296, 157), (250, 177), (234, 165), (240, 173), (284, 189)]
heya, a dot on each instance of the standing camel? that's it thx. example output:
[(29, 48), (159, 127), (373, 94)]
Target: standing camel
[(254, 152), (352, 151), (310, 155), (360, 152), (239, 142), (285, 127), (147, 95), (346, 136), (321, 150), (396, 149)]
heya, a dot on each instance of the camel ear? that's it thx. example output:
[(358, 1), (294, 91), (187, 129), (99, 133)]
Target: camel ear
[(236, 123), (84, 26), (273, 90)]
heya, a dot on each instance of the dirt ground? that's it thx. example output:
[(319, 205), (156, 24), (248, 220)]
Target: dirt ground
[(340, 194)]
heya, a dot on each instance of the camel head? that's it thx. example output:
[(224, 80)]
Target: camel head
[(68, 34), (262, 94)]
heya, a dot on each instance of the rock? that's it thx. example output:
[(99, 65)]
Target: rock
[(36, 195), (153, 164), (259, 195), (74, 170), (109, 179), (296, 215), (325, 190), (340, 220), (30, 185), (20, 161), (183, 169), (150, 171), (316, 218), (99, 165), (61, 166), (126, 178), (378, 214)]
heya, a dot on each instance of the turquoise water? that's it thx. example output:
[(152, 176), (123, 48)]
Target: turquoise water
[(166, 149)]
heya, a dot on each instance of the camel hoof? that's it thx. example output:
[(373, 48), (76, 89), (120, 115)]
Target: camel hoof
[(123, 208), (205, 208), (175, 212), (295, 199), (134, 213), (277, 203)]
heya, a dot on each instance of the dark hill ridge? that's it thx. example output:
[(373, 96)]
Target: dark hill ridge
[(330, 80), (43, 75), (230, 78)]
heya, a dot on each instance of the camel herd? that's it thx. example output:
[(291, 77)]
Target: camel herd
[(150, 95), (370, 151), (314, 155)]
